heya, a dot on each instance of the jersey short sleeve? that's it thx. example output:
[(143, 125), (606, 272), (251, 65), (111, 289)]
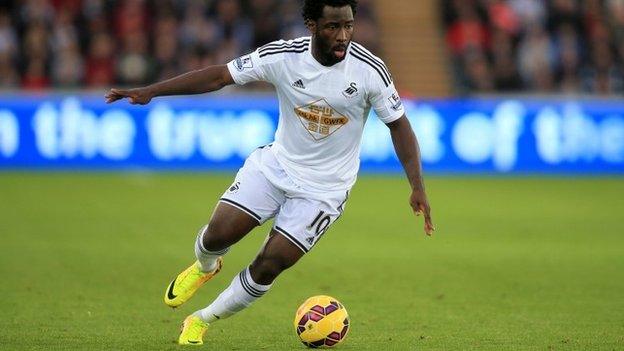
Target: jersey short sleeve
[(249, 68), (385, 100)]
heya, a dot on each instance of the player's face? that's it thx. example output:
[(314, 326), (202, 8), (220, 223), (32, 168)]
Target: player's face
[(333, 32)]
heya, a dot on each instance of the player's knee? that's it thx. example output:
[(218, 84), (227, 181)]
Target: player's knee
[(265, 269), (216, 236)]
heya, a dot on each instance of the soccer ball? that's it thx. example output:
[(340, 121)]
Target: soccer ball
[(321, 321)]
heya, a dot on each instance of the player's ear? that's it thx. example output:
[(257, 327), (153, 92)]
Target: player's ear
[(311, 25)]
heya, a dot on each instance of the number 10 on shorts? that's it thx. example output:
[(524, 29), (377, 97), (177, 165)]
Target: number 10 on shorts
[(319, 225)]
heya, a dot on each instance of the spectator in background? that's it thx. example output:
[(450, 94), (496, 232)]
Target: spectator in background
[(536, 56), (602, 76), (35, 54), (291, 24), (265, 18), (505, 73), (529, 12), (166, 46), (557, 45), (95, 43), (478, 75), (616, 21), (197, 31), (35, 76), (496, 45), (36, 11), (67, 70), (568, 73), (130, 17), (8, 36), (569, 52), (466, 32), (67, 66), (134, 65), (100, 65), (502, 17), (9, 76), (564, 12), (236, 30)]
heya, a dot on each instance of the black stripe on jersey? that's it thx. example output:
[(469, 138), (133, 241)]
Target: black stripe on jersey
[(267, 145), (241, 207), (367, 61), (296, 43), (278, 51), (285, 43), (360, 50), (295, 46), (291, 238)]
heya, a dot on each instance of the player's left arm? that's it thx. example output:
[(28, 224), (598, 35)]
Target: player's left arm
[(406, 147)]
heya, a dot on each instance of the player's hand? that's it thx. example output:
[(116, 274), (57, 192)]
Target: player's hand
[(420, 205), (139, 96)]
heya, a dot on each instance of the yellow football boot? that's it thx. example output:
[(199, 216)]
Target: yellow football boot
[(186, 283), (192, 331)]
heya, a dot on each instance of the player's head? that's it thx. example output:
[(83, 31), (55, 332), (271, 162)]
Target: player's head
[(331, 25)]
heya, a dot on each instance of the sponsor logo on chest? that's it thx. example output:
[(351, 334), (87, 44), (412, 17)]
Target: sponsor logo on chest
[(320, 119)]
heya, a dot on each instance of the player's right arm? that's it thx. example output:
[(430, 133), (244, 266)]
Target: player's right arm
[(259, 65), (194, 82)]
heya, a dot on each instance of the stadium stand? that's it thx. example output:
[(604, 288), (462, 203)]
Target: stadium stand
[(98, 43), (556, 46)]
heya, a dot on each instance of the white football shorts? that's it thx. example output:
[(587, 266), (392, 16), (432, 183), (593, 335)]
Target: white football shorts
[(263, 190)]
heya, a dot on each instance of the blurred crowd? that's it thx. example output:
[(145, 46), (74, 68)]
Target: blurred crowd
[(565, 46), (99, 43)]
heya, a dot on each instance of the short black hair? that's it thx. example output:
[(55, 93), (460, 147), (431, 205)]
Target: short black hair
[(313, 9)]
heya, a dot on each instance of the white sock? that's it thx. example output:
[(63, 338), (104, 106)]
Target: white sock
[(238, 296), (207, 259)]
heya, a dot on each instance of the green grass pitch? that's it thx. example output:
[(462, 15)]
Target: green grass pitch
[(516, 264)]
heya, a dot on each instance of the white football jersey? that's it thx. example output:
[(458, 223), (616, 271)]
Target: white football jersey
[(322, 110)]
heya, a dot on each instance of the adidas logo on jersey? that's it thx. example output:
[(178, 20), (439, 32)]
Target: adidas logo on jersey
[(298, 84)]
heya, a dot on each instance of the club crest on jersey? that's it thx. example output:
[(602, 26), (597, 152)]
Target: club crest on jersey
[(351, 91), (243, 62), (320, 119), (395, 101)]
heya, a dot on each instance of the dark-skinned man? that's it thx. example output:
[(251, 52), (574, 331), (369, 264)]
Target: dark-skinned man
[(326, 85)]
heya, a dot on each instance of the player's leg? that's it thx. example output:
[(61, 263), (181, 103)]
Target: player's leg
[(276, 255), (227, 226), (250, 201), (309, 219)]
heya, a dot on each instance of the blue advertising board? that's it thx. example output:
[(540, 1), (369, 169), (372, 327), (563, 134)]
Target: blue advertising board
[(217, 132)]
